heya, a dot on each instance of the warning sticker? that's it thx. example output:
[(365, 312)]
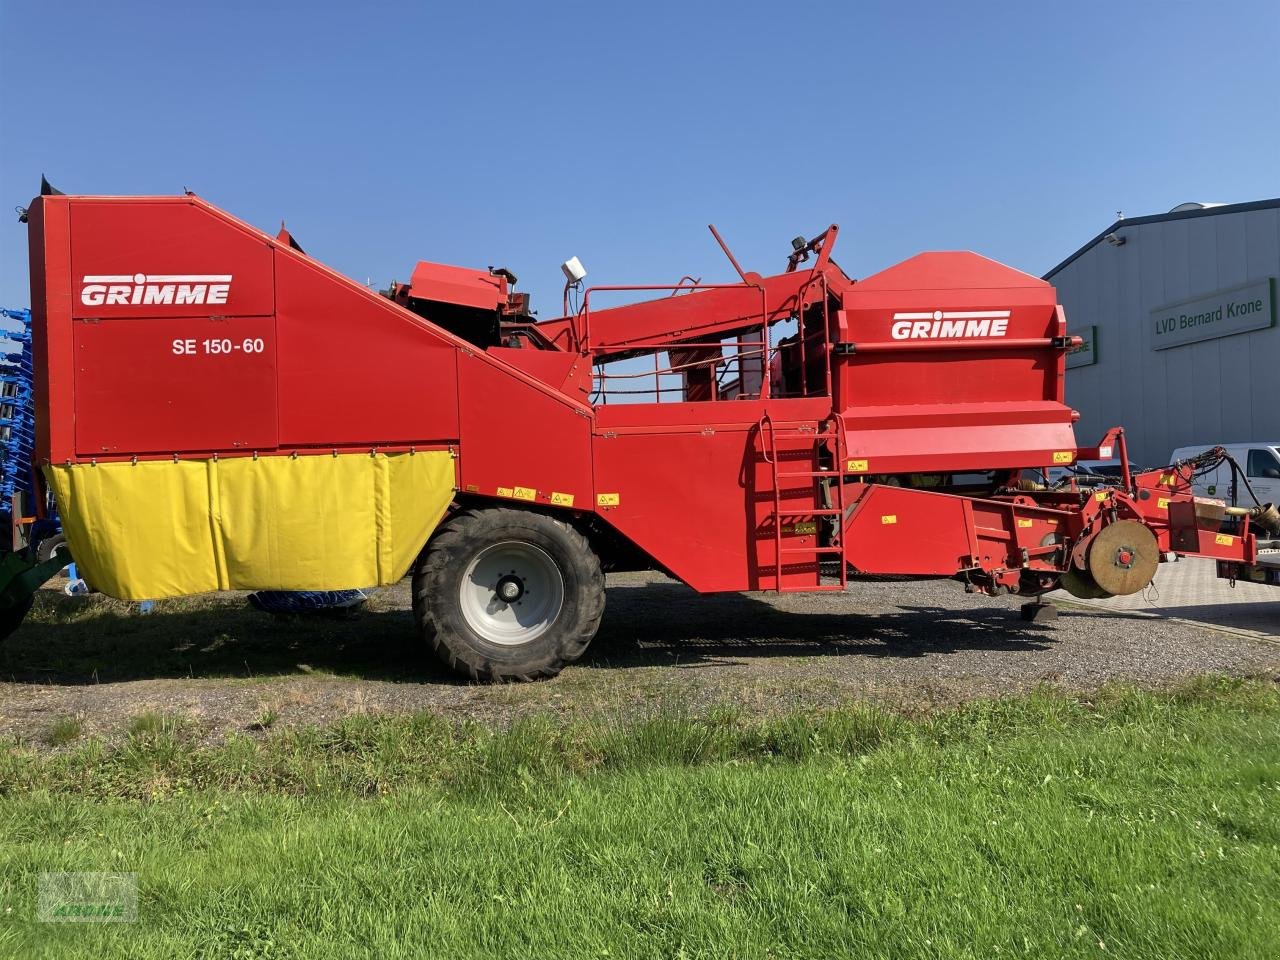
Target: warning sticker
[(1063, 456), (562, 499), (889, 518), (857, 466), (524, 493), (607, 499), (1025, 523), (1162, 503), (504, 492), (1224, 540)]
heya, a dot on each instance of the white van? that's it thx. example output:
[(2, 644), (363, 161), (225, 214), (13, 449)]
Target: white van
[(1261, 464)]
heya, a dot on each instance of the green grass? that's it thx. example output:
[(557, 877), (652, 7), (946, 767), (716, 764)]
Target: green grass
[(64, 730), (151, 725), (267, 717), (1134, 824)]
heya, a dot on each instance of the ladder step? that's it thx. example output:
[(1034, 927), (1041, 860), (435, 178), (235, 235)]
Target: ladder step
[(799, 445)]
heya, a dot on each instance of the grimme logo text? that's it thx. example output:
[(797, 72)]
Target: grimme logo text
[(949, 324), (157, 288)]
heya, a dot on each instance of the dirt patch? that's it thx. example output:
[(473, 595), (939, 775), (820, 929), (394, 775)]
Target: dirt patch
[(908, 645)]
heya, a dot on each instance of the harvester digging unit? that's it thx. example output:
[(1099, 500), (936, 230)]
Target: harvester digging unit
[(203, 429)]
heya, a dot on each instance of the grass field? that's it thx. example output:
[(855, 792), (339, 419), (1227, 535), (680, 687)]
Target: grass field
[(1132, 824)]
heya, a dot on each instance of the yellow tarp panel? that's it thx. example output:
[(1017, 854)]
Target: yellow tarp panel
[(161, 529)]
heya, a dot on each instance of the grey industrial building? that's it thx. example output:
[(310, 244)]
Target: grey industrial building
[(1178, 313)]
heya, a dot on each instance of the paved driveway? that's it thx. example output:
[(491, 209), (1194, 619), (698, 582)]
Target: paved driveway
[(1190, 590)]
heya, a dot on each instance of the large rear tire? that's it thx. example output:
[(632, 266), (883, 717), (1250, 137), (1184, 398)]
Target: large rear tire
[(502, 594)]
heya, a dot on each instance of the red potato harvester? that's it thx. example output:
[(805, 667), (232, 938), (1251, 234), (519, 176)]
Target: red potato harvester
[(217, 410)]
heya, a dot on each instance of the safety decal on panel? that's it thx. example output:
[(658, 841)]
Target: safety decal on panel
[(607, 499), (1062, 456), (889, 518), (504, 492), (524, 493), (1224, 540), (562, 499), (1024, 523), (857, 466)]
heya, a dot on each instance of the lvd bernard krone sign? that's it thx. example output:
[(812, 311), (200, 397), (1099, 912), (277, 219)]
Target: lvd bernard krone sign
[(1237, 310)]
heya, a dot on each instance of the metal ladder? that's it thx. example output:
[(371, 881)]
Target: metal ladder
[(836, 549)]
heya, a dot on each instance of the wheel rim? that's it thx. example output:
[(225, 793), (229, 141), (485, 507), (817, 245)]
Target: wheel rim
[(511, 593)]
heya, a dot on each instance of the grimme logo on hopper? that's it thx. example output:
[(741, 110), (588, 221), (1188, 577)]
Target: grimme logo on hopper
[(134, 289), (948, 324)]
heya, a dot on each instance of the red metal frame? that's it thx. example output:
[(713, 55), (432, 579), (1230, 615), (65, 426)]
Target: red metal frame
[(753, 492)]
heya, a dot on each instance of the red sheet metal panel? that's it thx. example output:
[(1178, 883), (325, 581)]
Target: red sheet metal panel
[(195, 331), (896, 530), (552, 367), (952, 361), (172, 347), (521, 441), (461, 285), (165, 257), (909, 532), (683, 498), (354, 367), (954, 270), (50, 253), (699, 498), (929, 443), (174, 385)]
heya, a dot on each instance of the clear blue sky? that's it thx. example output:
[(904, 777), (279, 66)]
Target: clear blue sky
[(521, 133)]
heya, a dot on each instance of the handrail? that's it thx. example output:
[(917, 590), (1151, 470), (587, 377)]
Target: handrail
[(580, 327), (766, 420), (679, 367), (693, 281), (729, 363)]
